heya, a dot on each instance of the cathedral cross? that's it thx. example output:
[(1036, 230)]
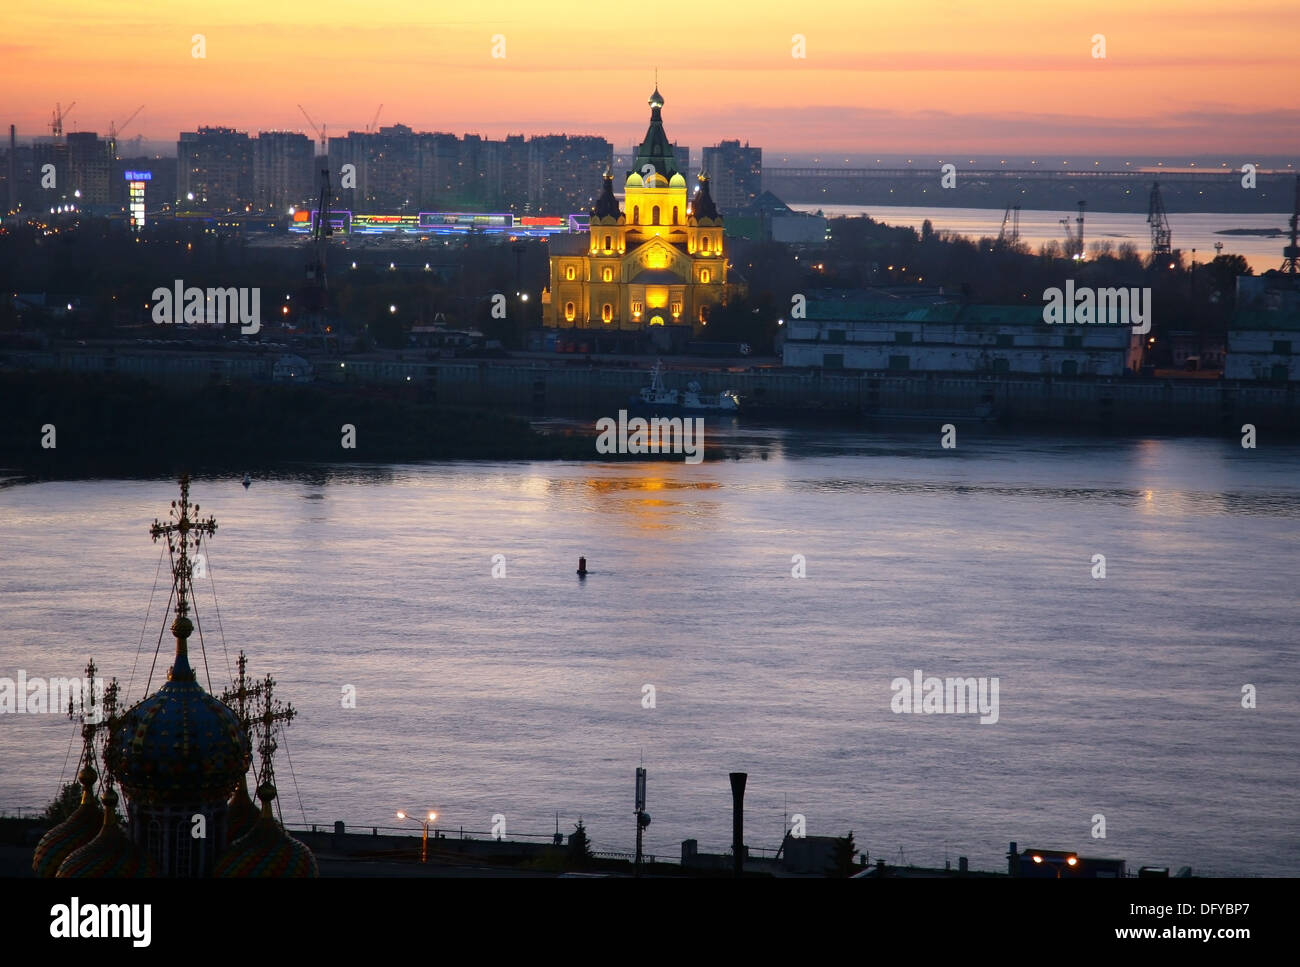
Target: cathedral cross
[(183, 532)]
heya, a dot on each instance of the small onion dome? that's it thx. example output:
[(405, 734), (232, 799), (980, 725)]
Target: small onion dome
[(606, 205), (656, 99), (180, 745), (677, 181), (702, 205), (268, 851), (633, 180), (242, 815), (110, 853), (71, 834)]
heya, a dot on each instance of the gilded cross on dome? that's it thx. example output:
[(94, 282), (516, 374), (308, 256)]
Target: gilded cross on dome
[(183, 532), (273, 711), (238, 696)]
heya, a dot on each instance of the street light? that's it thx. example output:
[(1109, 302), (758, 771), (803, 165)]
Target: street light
[(1055, 860), (424, 845)]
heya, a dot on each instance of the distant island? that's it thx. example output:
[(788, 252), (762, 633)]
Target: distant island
[(1262, 232)]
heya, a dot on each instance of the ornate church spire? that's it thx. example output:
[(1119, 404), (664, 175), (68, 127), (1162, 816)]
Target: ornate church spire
[(655, 149), (183, 532)]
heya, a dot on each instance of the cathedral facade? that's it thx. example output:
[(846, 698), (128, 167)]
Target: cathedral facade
[(658, 261)]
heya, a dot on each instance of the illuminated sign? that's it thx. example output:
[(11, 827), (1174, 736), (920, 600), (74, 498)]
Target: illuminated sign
[(136, 204), (443, 223), (138, 175)]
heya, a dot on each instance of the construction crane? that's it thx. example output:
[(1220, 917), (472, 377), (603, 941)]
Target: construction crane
[(1074, 240), (1291, 254), (114, 130), (1012, 215), (374, 120), (56, 125), (318, 128), (1161, 236)]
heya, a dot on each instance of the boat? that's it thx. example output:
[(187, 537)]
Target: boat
[(658, 398)]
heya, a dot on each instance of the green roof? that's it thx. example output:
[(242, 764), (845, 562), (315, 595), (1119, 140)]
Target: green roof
[(885, 310), (1003, 316), (879, 310)]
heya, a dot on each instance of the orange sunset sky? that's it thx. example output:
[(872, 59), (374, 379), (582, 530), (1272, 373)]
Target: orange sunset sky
[(980, 76)]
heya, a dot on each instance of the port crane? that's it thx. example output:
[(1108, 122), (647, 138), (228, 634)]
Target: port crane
[(1012, 215), (1074, 239), (374, 121), (1291, 254), (317, 264), (56, 125), (1161, 236)]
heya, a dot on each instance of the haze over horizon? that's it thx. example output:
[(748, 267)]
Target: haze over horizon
[(1000, 78)]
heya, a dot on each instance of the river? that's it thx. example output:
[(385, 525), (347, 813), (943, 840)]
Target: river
[(524, 695), (1190, 231)]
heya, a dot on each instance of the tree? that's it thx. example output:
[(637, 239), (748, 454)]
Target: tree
[(579, 848), (844, 858), (64, 804), (1223, 275)]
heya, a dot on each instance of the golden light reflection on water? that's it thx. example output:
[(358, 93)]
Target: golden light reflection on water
[(639, 496)]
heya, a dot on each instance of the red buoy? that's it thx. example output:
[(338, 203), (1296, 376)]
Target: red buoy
[(582, 567)]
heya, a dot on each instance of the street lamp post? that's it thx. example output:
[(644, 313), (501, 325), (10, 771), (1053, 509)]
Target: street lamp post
[(1056, 862), (424, 843)]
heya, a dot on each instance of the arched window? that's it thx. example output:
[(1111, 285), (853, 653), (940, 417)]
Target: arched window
[(606, 312), (674, 214), (607, 275), (570, 273), (154, 842), (704, 242), (608, 243), (636, 214), (654, 215), (184, 853), (569, 312), (705, 275)]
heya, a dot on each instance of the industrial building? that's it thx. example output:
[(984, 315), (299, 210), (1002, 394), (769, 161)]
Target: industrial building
[(1264, 339), (861, 331)]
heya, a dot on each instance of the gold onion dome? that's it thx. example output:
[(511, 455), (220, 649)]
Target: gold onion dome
[(110, 853), (267, 851), (180, 745), (73, 833)]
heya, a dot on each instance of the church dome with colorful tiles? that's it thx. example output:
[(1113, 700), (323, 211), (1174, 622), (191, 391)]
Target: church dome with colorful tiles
[(267, 850), (180, 744), (111, 853), (74, 832)]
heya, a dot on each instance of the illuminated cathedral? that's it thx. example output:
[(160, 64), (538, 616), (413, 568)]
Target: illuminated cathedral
[(656, 262), (181, 757)]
